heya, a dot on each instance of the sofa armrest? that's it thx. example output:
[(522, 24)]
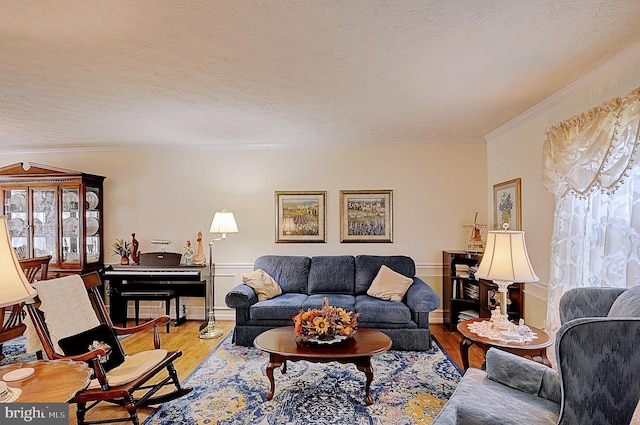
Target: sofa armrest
[(523, 374), (421, 298), (242, 296)]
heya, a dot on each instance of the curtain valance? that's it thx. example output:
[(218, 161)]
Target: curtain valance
[(593, 150)]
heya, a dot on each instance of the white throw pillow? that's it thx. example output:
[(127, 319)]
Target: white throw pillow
[(264, 285), (389, 285)]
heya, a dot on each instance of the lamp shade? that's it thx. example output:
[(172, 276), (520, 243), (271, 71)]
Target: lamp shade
[(223, 222), (505, 258), (14, 286)]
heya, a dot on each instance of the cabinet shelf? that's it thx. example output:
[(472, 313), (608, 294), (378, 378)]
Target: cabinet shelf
[(466, 296)]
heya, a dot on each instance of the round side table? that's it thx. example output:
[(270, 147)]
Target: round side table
[(536, 349)]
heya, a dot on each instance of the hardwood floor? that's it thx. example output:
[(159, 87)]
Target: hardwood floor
[(195, 350)]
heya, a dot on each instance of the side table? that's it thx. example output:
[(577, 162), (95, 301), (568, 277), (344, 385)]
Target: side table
[(55, 381), (536, 349)]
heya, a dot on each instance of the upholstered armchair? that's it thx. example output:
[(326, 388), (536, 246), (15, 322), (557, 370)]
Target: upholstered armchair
[(598, 377)]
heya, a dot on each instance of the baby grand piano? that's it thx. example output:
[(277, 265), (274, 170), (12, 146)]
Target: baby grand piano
[(158, 271)]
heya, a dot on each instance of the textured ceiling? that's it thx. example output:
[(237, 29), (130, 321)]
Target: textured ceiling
[(217, 73)]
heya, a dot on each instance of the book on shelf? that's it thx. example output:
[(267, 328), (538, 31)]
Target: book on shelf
[(468, 314)]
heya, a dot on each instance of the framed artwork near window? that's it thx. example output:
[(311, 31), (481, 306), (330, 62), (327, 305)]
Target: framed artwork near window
[(507, 206), (301, 216), (366, 216)]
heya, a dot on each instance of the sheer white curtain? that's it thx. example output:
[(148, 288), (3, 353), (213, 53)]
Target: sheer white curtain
[(589, 167)]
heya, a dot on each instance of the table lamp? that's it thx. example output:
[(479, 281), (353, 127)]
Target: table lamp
[(223, 222), (505, 260), (14, 289)]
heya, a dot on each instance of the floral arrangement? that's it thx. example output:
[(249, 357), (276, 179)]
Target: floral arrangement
[(325, 324), (121, 248)]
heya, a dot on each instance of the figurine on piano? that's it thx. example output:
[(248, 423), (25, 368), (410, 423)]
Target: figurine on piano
[(199, 259), (135, 253), (188, 254)]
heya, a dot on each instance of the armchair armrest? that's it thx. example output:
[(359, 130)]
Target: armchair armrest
[(146, 325), (153, 323), (523, 374), (242, 296)]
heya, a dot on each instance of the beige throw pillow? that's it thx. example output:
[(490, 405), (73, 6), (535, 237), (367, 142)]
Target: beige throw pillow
[(264, 285), (389, 285)]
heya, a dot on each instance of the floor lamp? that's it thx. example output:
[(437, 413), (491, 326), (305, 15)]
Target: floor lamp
[(223, 222), (505, 260), (14, 290)]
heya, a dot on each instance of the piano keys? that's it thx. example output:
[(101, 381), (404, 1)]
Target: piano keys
[(186, 281)]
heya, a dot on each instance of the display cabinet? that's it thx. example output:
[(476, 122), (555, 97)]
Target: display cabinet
[(464, 297), (57, 212)]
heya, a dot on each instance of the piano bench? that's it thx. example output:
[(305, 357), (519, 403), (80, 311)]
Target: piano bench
[(137, 296)]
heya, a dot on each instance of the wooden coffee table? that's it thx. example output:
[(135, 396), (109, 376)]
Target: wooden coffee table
[(536, 349), (281, 345)]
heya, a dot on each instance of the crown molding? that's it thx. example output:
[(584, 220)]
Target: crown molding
[(616, 64)]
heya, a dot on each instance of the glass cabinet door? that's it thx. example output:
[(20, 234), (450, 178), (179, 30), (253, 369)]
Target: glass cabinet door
[(70, 226), (15, 208), (44, 223), (92, 220)]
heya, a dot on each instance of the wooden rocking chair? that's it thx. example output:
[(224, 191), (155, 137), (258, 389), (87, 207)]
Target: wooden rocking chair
[(57, 327)]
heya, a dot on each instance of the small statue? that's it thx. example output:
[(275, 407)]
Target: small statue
[(188, 254), (135, 254), (199, 259)]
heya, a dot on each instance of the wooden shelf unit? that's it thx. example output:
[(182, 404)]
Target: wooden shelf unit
[(462, 294)]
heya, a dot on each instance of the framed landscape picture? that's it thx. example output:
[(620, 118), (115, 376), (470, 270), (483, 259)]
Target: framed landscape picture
[(507, 204), (366, 216), (300, 216)]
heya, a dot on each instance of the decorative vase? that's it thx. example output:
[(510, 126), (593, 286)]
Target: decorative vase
[(124, 260)]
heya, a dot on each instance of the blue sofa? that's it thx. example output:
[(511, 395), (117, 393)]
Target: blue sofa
[(344, 280)]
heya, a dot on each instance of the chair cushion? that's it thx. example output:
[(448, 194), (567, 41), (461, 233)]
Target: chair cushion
[(85, 342), (133, 367), (627, 304), (264, 285), (389, 285)]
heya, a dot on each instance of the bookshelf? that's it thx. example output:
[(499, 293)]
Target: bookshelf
[(464, 297)]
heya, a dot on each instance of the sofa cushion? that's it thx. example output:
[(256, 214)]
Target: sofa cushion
[(291, 272), (264, 285), (627, 304), (389, 285), (367, 267), (282, 307), (346, 301), (332, 274), (375, 310)]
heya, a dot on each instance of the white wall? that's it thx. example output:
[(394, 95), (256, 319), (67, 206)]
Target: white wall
[(515, 150), (172, 195)]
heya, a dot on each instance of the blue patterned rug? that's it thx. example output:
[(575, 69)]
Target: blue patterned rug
[(230, 386)]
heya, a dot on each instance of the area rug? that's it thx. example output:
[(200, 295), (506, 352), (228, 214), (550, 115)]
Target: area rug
[(230, 386)]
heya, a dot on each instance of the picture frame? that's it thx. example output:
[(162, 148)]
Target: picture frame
[(507, 204), (366, 216), (301, 216)]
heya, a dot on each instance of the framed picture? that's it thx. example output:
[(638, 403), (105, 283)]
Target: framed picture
[(301, 216), (507, 204), (366, 216)]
